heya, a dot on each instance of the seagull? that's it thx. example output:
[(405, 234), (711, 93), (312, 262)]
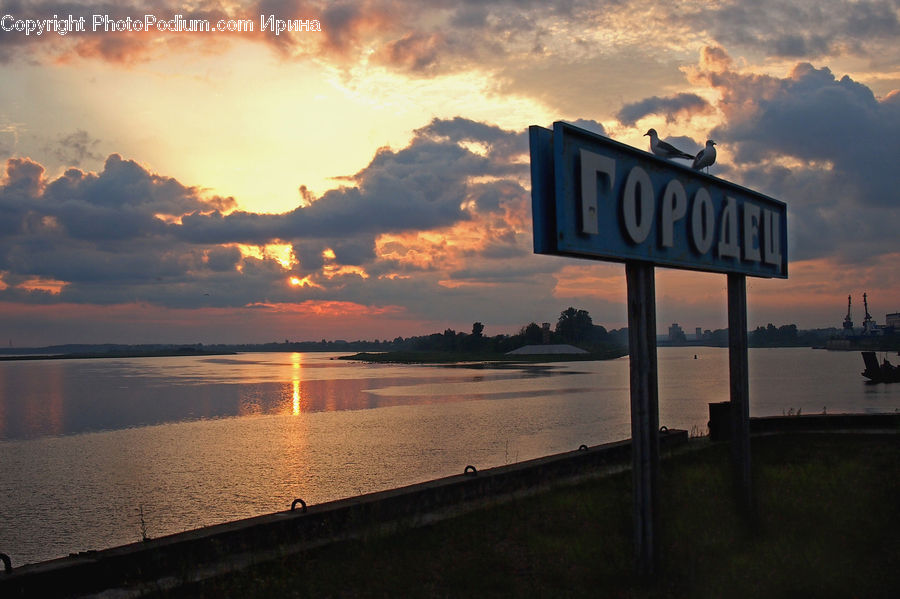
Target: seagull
[(705, 157), (663, 149)]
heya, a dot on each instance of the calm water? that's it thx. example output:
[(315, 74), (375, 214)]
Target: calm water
[(194, 441)]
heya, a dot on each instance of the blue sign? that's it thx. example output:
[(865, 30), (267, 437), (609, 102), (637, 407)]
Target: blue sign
[(595, 198)]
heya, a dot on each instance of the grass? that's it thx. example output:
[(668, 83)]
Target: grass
[(827, 525)]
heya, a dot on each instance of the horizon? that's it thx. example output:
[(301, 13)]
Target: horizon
[(369, 177), (689, 332)]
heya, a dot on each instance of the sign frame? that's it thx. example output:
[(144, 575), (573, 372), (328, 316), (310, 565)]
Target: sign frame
[(647, 209), (595, 198)]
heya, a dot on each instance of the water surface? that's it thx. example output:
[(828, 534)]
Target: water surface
[(197, 440)]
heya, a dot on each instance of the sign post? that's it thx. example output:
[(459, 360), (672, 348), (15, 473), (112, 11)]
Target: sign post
[(738, 376), (644, 409), (595, 198)]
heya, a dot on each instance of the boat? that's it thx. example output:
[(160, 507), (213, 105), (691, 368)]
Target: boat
[(879, 373)]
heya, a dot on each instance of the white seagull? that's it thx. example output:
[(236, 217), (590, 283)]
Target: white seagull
[(663, 149), (705, 157)]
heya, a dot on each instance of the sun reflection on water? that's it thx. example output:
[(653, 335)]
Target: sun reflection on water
[(296, 364)]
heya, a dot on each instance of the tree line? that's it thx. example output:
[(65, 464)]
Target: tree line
[(573, 327)]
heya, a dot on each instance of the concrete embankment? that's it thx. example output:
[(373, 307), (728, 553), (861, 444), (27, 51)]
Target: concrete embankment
[(720, 424), (166, 562)]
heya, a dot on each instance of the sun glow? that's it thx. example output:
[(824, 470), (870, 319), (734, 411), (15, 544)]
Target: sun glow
[(304, 282), (169, 219), (282, 253), (334, 270)]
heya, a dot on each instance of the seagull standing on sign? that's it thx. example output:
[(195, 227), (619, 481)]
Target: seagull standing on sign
[(705, 157), (663, 149)]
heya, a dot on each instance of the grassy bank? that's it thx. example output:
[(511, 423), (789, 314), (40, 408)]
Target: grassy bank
[(828, 525)]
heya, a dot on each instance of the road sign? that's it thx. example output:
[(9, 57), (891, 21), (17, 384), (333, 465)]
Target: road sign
[(595, 198)]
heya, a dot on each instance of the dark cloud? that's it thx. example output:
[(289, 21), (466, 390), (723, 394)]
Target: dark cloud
[(797, 29), (75, 148), (127, 235), (23, 178), (503, 146), (415, 52), (223, 259), (672, 107), (422, 186), (590, 125), (424, 38), (549, 52), (353, 252), (91, 230), (823, 144)]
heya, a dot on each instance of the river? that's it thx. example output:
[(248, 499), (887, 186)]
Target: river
[(95, 453)]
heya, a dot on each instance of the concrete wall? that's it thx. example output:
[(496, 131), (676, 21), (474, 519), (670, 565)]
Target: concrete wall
[(168, 561)]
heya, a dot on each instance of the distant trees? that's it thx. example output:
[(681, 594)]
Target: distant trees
[(574, 327), (532, 334), (770, 336)]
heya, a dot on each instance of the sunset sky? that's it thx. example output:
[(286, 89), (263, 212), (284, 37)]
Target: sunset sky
[(371, 179)]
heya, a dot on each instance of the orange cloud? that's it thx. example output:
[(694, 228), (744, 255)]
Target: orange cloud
[(591, 279), (51, 286), (328, 309), (714, 59), (27, 325)]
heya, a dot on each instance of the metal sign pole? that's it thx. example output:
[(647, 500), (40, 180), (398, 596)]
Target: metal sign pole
[(644, 410), (740, 387)]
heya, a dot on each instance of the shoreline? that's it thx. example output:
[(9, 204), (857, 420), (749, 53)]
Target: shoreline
[(475, 360), (123, 354)]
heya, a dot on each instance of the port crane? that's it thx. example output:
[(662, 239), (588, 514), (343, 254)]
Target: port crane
[(868, 322), (848, 321)]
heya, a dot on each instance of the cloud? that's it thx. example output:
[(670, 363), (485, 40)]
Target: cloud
[(590, 125), (75, 148), (672, 108), (90, 230), (421, 186), (825, 145), (797, 29), (126, 235), (571, 55)]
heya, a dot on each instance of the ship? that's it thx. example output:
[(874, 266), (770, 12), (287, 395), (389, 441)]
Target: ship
[(885, 372), (869, 337)]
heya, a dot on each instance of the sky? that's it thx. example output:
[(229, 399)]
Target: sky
[(365, 175)]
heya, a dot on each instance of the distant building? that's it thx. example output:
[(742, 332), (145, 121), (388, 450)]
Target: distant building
[(892, 321), (698, 333), (676, 333), (545, 331)]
